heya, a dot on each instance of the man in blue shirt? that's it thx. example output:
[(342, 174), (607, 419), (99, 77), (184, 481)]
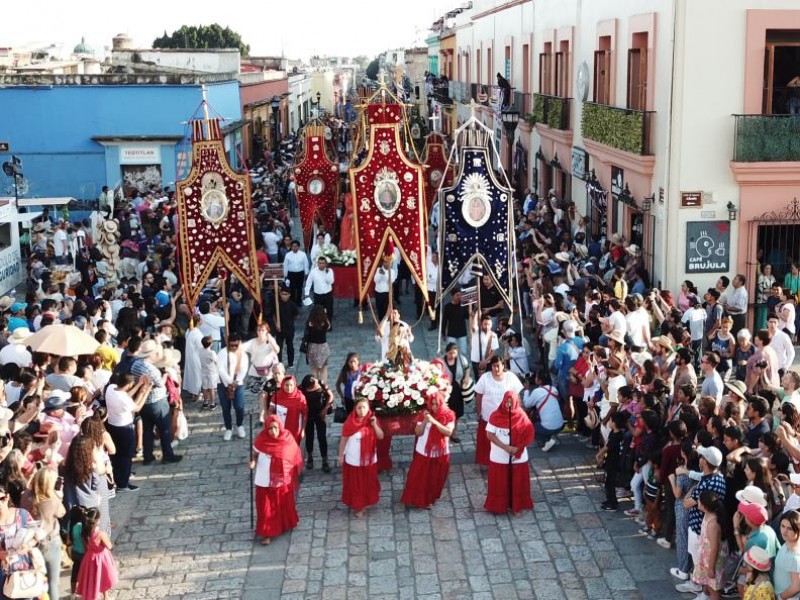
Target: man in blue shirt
[(566, 357)]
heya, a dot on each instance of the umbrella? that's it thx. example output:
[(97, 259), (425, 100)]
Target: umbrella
[(62, 340)]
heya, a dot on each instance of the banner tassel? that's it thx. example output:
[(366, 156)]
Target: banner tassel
[(360, 315)]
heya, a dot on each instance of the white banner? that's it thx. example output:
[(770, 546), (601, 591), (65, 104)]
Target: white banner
[(140, 155), (10, 268)]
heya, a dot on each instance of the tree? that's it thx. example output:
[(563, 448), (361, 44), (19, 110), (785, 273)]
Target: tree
[(202, 36), (372, 70)]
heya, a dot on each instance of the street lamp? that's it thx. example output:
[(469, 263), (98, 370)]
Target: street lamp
[(731, 211), (510, 121), (647, 202), (275, 103)]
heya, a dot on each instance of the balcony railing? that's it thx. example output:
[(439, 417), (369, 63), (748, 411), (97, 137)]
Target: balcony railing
[(521, 103), (459, 91), (553, 111), (767, 138), (441, 91), (621, 128)]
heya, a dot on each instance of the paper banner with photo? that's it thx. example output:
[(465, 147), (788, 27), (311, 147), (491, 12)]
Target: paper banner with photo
[(476, 217), (215, 217), (317, 180), (435, 160), (388, 200)]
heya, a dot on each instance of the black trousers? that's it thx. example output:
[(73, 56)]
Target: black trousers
[(739, 321), (381, 304), (325, 300), (285, 339), (668, 527), (611, 486), (124, 439), (315, 421), (296, 286)]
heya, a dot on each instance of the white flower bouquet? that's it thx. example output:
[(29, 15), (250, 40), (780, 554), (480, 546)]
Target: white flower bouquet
[(393, 390)]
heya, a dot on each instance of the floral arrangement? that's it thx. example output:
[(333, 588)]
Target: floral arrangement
[(334, 257), (395, 390)]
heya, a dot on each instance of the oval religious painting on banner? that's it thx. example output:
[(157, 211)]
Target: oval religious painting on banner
[(476, 207), (387, 192), (315, 187)]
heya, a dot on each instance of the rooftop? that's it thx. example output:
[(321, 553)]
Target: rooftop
[(110, 79)]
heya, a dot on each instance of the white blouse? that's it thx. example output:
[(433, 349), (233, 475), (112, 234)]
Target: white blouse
[(352, 451), (422, 441), (497, 454)]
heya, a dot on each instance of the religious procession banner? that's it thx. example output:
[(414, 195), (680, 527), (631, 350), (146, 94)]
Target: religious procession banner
[(317, 181), (435, 160), (215, 217), (476, 221), (388, 200)]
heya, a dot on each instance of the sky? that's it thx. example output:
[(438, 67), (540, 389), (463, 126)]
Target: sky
[(295, 28)]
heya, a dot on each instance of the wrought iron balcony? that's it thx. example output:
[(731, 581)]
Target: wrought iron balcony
[(621, 128), (767, 138), (553, 111)]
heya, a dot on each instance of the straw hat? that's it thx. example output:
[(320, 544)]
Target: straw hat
[(110, 226), (758, 558), (641, 357), (151, 350), (633, 250), (540, 259), (752, 494), (562, 257), (616, 239), (169, 358), (6, 302), (617, 336), (664, 342), (581, 250), (737, 388)]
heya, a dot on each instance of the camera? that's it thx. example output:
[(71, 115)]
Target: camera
[(762, 364)]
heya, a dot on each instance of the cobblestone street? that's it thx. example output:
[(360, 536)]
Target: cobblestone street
[(186, 533)]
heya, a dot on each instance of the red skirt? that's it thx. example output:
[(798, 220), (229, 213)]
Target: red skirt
[(276, 511), (360, 486), (497, 492), (482, 444), (425, 480)]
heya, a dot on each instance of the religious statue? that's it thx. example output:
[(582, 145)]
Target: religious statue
[(395, 336)]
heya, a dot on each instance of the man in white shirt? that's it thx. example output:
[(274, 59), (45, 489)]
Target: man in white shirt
[(615, 321), (544, 398), (295, 268), (483, 344), (211, 323), (434, 221), (271, 241), (321, 280), (232, 364), (432, 284), (790, 382), (61, 244), (386, 272), (781, 343), (15, 351), (736, 303)]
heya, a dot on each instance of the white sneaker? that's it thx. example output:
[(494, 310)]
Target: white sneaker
[(664, 543), (549, 445), (701, 596), (174, 443), (228, 435), (240, 432), (677, 573), (690, 587)]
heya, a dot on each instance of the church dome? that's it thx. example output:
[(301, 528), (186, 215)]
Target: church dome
[(83, 48)]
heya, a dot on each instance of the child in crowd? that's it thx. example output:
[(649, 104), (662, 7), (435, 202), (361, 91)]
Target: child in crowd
[(610, 456), (653, 492), (210, 377), (98, 571)]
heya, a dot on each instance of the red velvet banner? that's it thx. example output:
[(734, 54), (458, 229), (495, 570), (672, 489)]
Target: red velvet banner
[(388, 197), (435, 159), (215, 217), (317, 180)]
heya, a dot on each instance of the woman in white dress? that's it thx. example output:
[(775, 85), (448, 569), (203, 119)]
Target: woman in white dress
[(192, 373), (489, 392)]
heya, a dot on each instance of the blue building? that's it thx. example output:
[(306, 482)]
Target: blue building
[(77, 133)]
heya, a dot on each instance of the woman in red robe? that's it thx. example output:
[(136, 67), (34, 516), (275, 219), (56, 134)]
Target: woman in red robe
[(431, 463), (289, 404), (359, 459), (277, 461), (510, 432)]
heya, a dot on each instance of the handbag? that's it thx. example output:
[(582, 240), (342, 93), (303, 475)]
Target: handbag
[(181, 426), (25, 584), (304, 343), (339, 414), (467, 390)]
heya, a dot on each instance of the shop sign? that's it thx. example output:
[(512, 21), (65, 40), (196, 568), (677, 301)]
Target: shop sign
[(691, 199), (708, 246), (10, 265), (139, 155)]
